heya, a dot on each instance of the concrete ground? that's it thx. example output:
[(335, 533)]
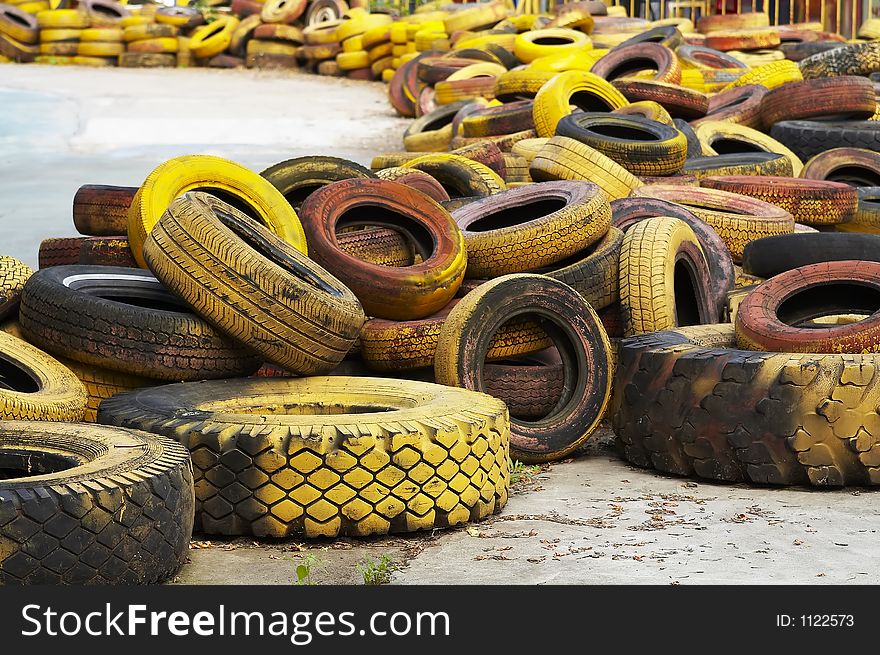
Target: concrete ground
[(593, 519)]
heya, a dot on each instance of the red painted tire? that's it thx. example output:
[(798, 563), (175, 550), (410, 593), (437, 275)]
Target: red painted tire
[(100, 210), (624, 61), (773, 316), (402, 293), (414, 179), (854, 166), (845, 98), (741, 104), (679, 101)]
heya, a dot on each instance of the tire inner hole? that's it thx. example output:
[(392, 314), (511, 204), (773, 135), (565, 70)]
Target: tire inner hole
[(855, 175), (725, 146), (627, 132), (631, 67), (517, 215), (15, 464), (552, 40), (687, 307), (826, 300), (232, 199), (15, 378), (586, 101)]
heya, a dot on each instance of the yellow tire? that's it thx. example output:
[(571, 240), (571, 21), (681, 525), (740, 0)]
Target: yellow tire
[(95, 62), (521, 83), (424, 455), (353, 60), (528, 149), (361, 24), (541, 43), (212, 39), (771, 75), (102, 383), (379, 52), (397, 33), (377, 36), (325, 33), (158, 46), (130, 21), (149, 31), (13, 275), (354, 44), (102, 34), (562, 158), (258, 46), (54, 36), (482, 15), (188, 173), (60, 49), (483, 69), (586, 91), (648, 109), (96, 49), (379, 66), (505, 41), (63, 18), (465, 177), (709, 132), (34, 7), (581, 60), (36, 386)]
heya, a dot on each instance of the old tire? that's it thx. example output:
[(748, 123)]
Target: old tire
[(13, 275), (100, 210), (298, 178), (809, 138), (771, 256)]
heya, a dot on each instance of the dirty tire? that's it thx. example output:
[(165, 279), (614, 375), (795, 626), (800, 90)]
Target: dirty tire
[(627, 60), (436, 458), (58, 251), (460, 176), (739, 163), (809, 138), (13, 275), (119, 512), (774, 255), (845, 98), (124, 320), (101, 383), (581, 89), (106, 251), (378, 245), (854, 166), (415, 179), (298, 178), (687, 402), (679, 101), (529, 386), (578, 335), (772, 317), (100, 210), (531, 227)]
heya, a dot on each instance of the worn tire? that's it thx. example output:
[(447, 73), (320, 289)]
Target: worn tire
[(436, 458), (578, 335), (298, 178), (809, 138), (101, 383), (857, 167), (91, 314), (119, 510), (627, 60), (739, 163), (414, 179), (106, 251), (100, 210), (850, 59), (721, 137), (741, 105), (844, 97), (581, 89), (679, 101), (771, 256), (13, 275), (460, 176)]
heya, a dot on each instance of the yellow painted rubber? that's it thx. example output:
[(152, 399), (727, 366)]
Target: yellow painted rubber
[(377, 52), (397, 33), (55, 395), (102, 34), (709, 130), (569, 61), (213, 38), (648, 109), (379, 66), (54, 60), (55, 35), (562, 158), (101, 383), (136, 19), (35, 7), (95, 49), (188, 173), (505, 41), (258, 46), (377, 36), (430, 141), (96, 62), (480, 179), (393, 456), (359, 25), (527, 46), (353, 44), (528, 149), (323, 33), (647, 273), (554, 100), (149, 31), (353, 60), (770, 75), (60, 48), (63, 18), (477, 70), (13, 275), (481, 15), (168, 45)]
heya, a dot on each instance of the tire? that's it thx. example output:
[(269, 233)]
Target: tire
[(182, 17), (578, 335), (149, 31), (282, 11), (741, 105), (101, 383), (395, 293), (742, 163), (853, 59), (694, 147), (586, 91), (19, 25), (252, 285), (854, 166), (278, 34), (13, 275), (432, 70), (212, 39), (516, 171), (702, 57), (243, 33), (771, 256), (627, 212), (119, 318), (415, 179), (530, 386), (155, 46), (738, 21), (641, 146), (521, 84), (797, 52), (378, 246), (771, 75), (60, 251), (461, 177), (432, 132), (627, 60), (773, 316), (144, 60), (321, 11), (536, 43), (298, 178), (528, 149), (737, 219), (562, 158), (486, 153), (411, 345), (809, 138), (496, 121), (254, 480), (748, 39), (784, 430), (96, 505), (223, 178), (811, 202), (106, 251), (403, 87), (63, 19), (668, 36), (679, 101), (531, 227), (664, 278), (721, 137), (846, 97), (36, 387)]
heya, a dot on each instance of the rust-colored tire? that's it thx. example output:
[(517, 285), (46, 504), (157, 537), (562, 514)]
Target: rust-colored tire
[(395, 293), (626, 60), (812, 202), (530, 386), (411, 345), (435, 69), (626, 212), (415, 179), (703, 57), (844, 97), (578, 335), (854, 166), (106, 251), (377, 245), (100, 210), (532, 226), (737, 219), (749, 39), (486, 153), (679, 101), (732, 21), (772, 317), (59, 251), (740, 105)]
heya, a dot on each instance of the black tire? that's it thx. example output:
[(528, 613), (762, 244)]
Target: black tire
[(739, 163), (808, 138), (774, 255), (668, 35), (298, 178), (800, 51), (694, 147), (626, 212), (85, 504), (124, 319), (849, 59), (642, 146), (252, 285)]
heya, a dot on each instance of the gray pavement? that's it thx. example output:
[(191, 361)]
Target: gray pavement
[(591, 520)]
